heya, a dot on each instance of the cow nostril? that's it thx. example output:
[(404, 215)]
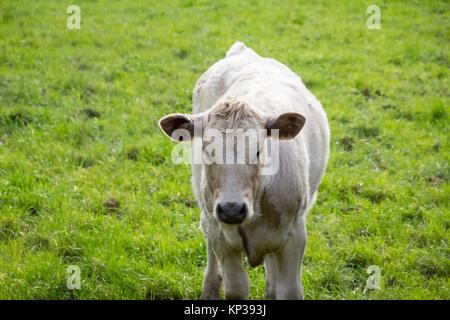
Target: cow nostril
[(243, 211)]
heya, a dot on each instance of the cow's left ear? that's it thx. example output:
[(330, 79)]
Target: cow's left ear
[(288, 125), (178, 126)]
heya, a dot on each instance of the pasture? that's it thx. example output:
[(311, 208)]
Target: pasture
[(86, 176)]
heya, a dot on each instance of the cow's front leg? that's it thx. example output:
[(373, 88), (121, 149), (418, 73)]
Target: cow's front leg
[(212, 279), (289, 284), (271, 270), (235, 277)]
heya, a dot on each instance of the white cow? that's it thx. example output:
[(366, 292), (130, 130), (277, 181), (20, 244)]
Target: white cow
[(242, 211)]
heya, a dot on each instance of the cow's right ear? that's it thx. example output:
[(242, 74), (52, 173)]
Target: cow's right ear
[(178, 126), (288, 125)]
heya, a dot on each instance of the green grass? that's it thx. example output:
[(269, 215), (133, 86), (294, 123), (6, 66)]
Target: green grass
[(86, 177)]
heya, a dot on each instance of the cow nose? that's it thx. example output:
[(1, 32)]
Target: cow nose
[(232, 212)]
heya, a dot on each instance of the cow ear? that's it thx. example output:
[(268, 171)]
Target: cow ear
[(178, 127), (288, 125)]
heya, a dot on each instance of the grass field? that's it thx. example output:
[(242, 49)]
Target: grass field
[(86, 177)]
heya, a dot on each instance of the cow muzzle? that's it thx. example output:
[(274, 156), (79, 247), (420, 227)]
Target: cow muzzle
[(232, 212)]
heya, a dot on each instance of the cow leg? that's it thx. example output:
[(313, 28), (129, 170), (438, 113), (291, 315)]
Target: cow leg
[(271, 270), (212, 279), (235, 277), (289, 284)]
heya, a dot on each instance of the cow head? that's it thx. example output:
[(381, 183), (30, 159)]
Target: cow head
[(232, 138)]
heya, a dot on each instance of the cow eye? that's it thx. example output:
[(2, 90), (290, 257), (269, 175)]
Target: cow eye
[(257, 154)]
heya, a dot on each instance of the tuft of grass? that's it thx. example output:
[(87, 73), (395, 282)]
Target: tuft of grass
[(438, 112)]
